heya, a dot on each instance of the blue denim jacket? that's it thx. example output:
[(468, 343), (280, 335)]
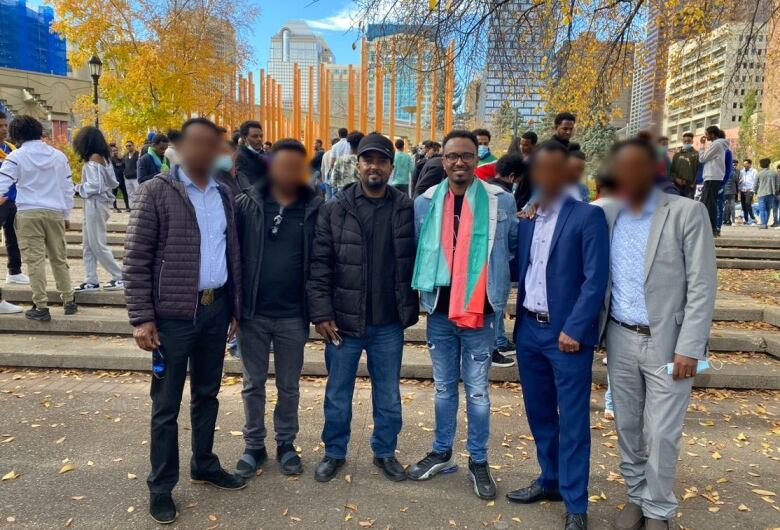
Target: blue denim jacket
[(502, 242)]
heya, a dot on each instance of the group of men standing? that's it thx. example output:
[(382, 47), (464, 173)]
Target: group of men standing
[(200, 265)]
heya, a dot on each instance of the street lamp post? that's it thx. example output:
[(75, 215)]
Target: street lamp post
[(95, 69)]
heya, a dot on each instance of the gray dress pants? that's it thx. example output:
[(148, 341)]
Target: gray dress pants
[(289, 336), (649, 413)]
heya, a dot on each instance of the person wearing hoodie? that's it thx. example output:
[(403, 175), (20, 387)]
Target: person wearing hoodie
[(44, 198), (96, 188), (276, 222), (7, 218), (713, 160)]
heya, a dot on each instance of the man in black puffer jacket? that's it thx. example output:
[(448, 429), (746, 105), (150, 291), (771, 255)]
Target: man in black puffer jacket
[(361, 298)]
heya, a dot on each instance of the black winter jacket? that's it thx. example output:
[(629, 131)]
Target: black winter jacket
[(250, 214), (338, 280), (250, 167)]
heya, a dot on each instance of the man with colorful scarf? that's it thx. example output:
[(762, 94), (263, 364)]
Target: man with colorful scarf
[(153, 162), (563, 263), (466, 232)]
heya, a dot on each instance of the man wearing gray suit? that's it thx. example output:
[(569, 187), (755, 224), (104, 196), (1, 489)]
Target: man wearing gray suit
[(657, 320)]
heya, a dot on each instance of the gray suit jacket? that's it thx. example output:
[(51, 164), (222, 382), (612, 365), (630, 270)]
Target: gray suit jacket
[(680, 275)]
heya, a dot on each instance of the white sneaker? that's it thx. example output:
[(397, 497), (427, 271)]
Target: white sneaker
[(20, 278), (7, 308)]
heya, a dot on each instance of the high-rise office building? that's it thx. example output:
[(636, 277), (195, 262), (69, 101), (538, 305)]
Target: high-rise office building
[(408, 42), (708, 79), (26, 40), (295, 42), (513, 63)]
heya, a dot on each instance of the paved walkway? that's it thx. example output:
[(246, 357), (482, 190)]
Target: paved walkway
[(99, 424)]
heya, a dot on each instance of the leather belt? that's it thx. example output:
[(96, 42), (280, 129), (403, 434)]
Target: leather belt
[(209, 296), (542, 318), (642, 330)]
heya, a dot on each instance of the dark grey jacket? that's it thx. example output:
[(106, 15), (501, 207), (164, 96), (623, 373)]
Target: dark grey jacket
[(147, 169), (250, 217), (162, 253), (338, 280)]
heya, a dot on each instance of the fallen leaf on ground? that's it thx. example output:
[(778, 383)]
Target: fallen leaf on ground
[(11, 475), (66, 468), (764, 493)]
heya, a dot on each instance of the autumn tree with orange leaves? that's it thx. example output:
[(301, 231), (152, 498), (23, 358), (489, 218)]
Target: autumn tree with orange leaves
[(164, 60)]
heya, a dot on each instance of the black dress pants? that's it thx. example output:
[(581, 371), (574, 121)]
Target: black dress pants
[(709, 197), (7, 217), (201, 344)]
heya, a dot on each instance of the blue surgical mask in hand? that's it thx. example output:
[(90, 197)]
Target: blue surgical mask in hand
[(702, 366)]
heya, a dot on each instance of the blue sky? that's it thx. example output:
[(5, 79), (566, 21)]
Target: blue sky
[(331, 18)]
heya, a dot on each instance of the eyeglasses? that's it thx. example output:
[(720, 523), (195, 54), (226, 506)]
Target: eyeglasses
[(274, 230), (466, 157)]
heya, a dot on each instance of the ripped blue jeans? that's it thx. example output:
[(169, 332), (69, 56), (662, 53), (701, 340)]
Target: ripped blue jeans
[(457, 353)]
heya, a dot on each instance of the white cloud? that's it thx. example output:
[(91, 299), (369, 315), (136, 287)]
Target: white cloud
[(344, 20)]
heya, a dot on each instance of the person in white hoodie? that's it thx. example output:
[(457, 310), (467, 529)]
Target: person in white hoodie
[(96, 188), (713, 159), (44, 198)]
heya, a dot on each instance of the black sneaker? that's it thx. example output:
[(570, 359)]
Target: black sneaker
[(71, 308), (114, 285), (509, 348), (499, 360), (161, 508), (289, 461), (39, 314), (433, 464), (86, 287), (484, 485), (222, 480), (249, 462)]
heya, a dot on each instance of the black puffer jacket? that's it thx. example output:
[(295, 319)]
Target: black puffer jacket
[(338, 280), (250, 214)]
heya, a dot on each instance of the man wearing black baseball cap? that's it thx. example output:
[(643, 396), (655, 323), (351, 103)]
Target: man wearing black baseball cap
[(361, 298)]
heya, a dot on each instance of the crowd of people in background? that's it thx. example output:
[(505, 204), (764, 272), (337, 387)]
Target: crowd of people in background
[(231, 236)]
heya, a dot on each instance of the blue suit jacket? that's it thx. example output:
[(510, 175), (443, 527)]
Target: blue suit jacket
[(577, 270)]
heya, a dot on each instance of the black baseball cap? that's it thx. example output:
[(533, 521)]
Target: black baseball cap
[(376, 142)]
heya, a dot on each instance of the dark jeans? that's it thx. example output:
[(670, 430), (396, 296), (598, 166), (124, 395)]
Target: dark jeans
[(729, 202), (384, 350), (201, 343), (7, 217), (719, 204), (289, 337), (123, 188), (709, 197), (746, 199)]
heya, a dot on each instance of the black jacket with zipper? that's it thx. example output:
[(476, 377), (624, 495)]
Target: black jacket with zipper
[(338, 281), (250, 216)]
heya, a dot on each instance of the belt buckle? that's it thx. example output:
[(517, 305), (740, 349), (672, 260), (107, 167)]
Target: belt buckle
[(543, 318), (207, 298)]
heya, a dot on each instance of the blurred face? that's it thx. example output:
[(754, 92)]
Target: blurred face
[(526, 147), (746, 164), (688, 140), (267, 147), (460, 159), (254, 138), (576, 168), (130, 147), (288, 169), (160, 148), (318, 145), (199, 148), (550, 172), (663, 142), (634, 173), (374, 169), (483, 140), (711, 137), (114, 150), (3, 129), (565, 130)]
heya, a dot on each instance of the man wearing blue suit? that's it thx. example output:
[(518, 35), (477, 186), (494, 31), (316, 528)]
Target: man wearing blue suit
[(563, 262)]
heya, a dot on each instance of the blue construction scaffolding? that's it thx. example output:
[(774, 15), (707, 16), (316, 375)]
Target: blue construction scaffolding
[(27, 41)]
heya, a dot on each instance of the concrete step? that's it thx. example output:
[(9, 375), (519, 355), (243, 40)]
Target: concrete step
[(93, 320), (111, 226), (725, 310), (748, 242), (77, 251), (748, 253), (105, 353), (731, 263), (113, 238)]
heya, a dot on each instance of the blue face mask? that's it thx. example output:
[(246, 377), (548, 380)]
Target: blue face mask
[(687, 147), (483, 151), (701, 366), (223, 163)]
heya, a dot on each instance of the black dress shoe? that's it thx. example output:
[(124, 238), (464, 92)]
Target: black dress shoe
[(391, 467), (576, 521), (328, 468), (161, 508), (533, 493), (222, 480)]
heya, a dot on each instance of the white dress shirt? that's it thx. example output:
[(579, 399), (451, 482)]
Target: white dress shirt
[(536, 276)]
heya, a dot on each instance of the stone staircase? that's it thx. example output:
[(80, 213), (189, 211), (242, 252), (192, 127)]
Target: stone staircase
[(745, 334)]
